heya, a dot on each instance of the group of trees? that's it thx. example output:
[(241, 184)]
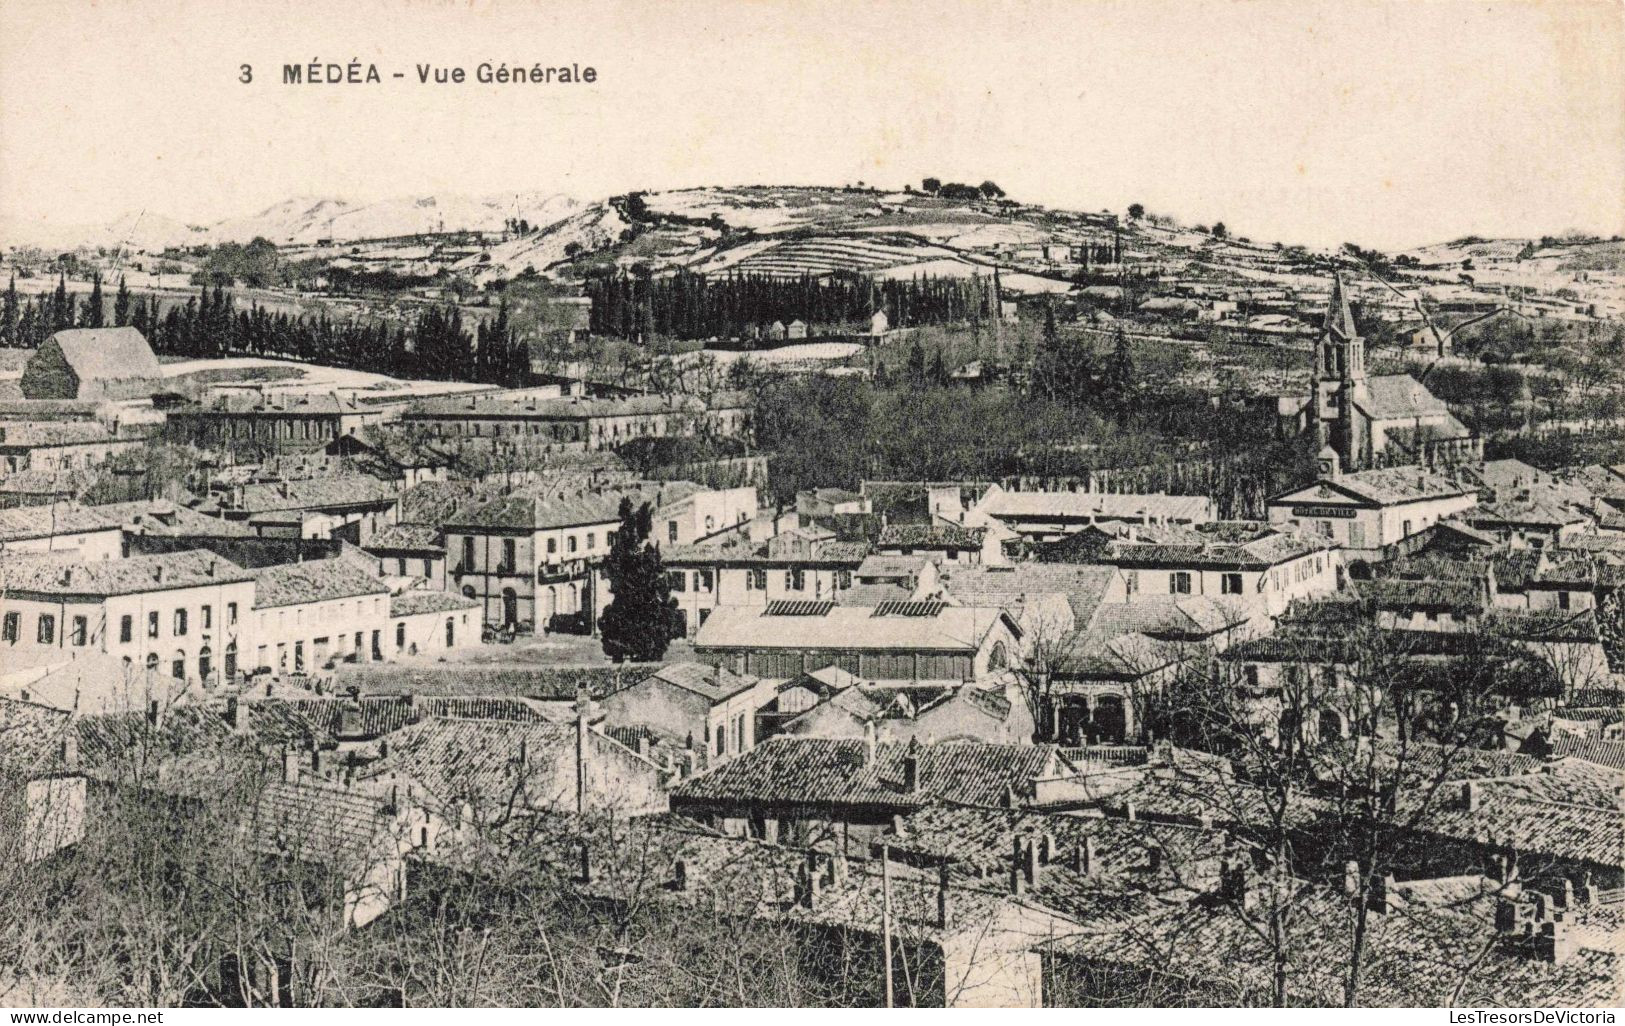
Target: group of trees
[(437, 344), (960, 191), (693, 306), (1069, 370)]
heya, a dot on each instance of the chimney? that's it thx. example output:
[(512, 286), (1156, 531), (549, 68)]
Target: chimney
[(1084, 860), (942, 894), (67, 575), (1469, 795), (679, 875), (1384, 894), (290, 765), (1129, 811), (584, 857), (234, 715), (1029, 861), (1153, 859), (210, 569), (70, 749), (524, 750), (911, 770), (1554, 943), (870, 742), (1018, 878), (1046, 848), (158, 573)]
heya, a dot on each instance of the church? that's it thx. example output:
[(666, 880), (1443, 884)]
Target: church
[(1371, 421)]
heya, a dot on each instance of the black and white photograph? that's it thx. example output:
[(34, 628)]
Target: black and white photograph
[(980, 504)]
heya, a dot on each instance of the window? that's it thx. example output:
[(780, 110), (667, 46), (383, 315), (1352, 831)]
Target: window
[(177, 666), (81, 631), (570, 543), (299, 657), (126, 628), (231, 614), (231, 658), (1405, 529), (798, 579), (1179, 582), (678, 579), (205, 662), (843, 579), (592, 541), (671, 531), (180, 623), (400, 637), (152, 662), (12, 626), (722, 739), (507, 556), (428, 568), (1131, 582), (552, 546), (47, 630), (703, 580), (468, 554), (208, 618), (1230, 584), (152, 625), (1562, 600)]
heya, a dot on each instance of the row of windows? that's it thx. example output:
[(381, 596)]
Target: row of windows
[(510, 550), (178, 624), (795, 579), (1179, 583)]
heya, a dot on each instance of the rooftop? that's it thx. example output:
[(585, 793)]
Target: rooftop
[(56, 575)]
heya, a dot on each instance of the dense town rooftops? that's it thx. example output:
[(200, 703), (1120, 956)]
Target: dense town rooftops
[(496, 405), (830, 772), (948, 628), (162, 517), (67, 577), (739, 551), (1084, 586), (311, 493), (551, 683)]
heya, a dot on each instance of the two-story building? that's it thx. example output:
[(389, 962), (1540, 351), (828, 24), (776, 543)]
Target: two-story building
[(310, 613), (793, 565), (709, 709), (1371, 508), (1226, 558), (275, 420), (185, 613), (895, 643), (529, 557)]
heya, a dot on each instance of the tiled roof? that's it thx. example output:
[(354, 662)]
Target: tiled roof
[(1244, 545), (54, 519), (1593, 750), (830, 772), (325, 824), (1419, 957), (46, 434), (315, 493), (984, 839), (1008, 505), (107, 353), (55, 575), (1390, 485), (407, 538), (411, 603), (315, 580), (1398, 594), (1084, 586), (542, 508), (953, 629), (1400, 397), (1192, 616), (30, 737), (495, 764), (162, 517), (712, 683), (553, 683), (932, 536)]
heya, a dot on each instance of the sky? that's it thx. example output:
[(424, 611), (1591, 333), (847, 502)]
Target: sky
[(1382, 123)]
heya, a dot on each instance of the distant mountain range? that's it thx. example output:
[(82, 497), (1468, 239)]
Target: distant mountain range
[(302, 220)]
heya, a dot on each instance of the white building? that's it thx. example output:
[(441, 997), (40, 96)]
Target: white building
[(1372, 508)]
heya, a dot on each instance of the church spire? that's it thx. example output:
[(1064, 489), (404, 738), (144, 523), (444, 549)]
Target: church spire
[(1339, 316)]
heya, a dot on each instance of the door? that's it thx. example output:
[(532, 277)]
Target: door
[(510, 607)]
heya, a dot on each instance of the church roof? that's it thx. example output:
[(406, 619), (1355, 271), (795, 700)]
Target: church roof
[(1400, 397)]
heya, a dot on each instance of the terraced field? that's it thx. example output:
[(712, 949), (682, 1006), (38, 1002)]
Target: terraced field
[(820, 257)]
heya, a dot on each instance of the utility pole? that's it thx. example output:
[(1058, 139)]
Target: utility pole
[(885, 916)]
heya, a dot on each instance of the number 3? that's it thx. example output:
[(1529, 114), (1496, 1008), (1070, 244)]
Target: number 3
[(247, 74)]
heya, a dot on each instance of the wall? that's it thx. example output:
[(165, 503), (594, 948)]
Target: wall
[(288, 636), (425, 633)]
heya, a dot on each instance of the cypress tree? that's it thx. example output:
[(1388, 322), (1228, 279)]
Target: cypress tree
[(121, 304), (10, 317), (642, 618), (93, 313)]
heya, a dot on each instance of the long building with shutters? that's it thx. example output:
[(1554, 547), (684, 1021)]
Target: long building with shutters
[(895, 643)]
